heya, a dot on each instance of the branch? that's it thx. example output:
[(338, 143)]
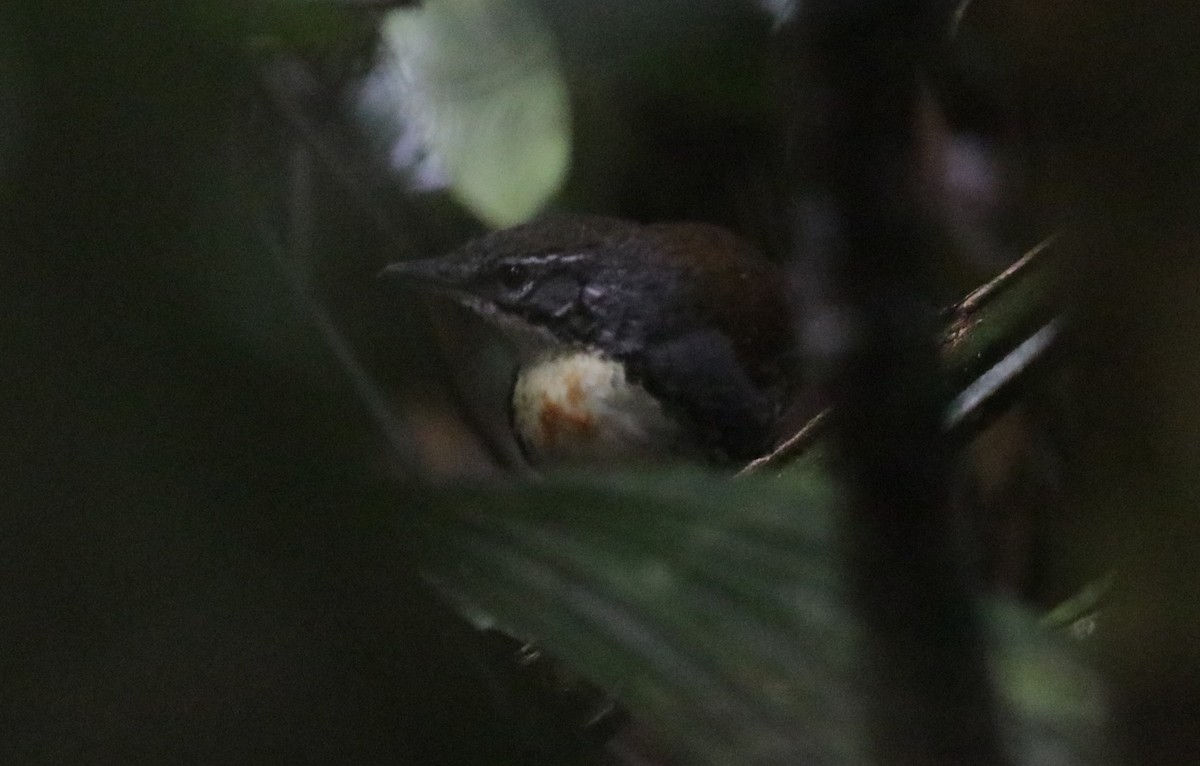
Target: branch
[(987, 345)]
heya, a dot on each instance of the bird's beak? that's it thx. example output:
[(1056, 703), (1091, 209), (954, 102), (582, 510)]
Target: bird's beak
[(431, 272), (449, 277)]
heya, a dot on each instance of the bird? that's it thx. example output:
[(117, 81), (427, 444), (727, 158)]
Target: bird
[(635, 343)]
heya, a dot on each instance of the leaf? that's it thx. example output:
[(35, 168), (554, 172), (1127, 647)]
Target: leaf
[(1054, 706), (477, 90), (716, 611), (1078, 615)]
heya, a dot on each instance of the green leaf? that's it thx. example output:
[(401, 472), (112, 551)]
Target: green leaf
[(716, 610), (482, 87), (1078, 613), (1053, 704)]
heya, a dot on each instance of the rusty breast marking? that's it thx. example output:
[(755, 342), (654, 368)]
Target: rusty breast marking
[(569, 419), (579, 407)]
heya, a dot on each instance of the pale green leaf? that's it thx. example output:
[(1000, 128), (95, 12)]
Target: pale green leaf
[(480, 84)]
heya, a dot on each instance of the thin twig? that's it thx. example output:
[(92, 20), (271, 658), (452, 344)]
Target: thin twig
[(276, 72), (980, 296), (393, 428), (966, 411), (956, 19), (794, 446), (292, 255)]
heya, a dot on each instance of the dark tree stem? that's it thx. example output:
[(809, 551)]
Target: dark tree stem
[(862, 223)]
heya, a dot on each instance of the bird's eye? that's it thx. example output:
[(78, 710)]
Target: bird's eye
[(513, 275)]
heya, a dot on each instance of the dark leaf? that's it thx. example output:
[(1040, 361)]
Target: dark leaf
[(717, 612)]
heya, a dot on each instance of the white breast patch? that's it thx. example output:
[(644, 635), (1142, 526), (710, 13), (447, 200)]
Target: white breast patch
[(579, 407)]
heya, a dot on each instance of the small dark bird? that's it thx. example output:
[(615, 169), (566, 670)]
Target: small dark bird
[(635, 343)]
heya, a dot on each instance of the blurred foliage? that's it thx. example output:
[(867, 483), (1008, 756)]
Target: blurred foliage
[(717, 611), (1083, 606), (480, 104)]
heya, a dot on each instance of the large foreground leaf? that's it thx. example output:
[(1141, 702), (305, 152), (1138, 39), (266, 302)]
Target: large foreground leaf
[(716, 611)]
